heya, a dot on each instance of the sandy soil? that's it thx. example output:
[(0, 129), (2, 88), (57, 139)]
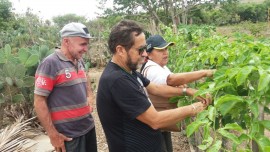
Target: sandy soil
[(42, 144)]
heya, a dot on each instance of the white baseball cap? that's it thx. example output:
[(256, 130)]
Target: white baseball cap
[(75, 29)]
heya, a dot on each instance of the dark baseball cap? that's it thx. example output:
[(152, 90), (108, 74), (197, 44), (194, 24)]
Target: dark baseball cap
[(157, 42), (75, 29)]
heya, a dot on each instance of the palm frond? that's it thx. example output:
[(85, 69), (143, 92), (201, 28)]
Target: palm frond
[(15, 137)]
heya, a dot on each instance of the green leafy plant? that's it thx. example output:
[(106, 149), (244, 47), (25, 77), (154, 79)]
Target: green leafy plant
[(17, 77), (240, 87)]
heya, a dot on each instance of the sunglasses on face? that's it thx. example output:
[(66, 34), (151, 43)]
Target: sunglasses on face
[(142, 49)]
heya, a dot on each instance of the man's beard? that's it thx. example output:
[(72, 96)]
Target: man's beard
[(132, 66)]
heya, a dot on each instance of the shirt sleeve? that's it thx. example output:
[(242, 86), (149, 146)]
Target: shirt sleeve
[(144, 80), (44, 79), (157, 74), (130, 97)]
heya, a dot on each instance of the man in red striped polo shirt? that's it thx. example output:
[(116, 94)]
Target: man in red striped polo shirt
[(63, 96)]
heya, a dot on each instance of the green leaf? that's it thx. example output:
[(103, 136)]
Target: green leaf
[(263, 142), (2, 75), (220, 60), (2, 57), (205, 91), (7, 50), (206, 133), (23, 55), (243, 137), (181, 103), (212, 113), (255, 129), (43, 51), (266, 124), (212, 59), (9, 69), (233, 126), (232, 72), (220, 74), (31, 61), (18, 82), (216, 147), (20, 71), (266, 148), (226, 98), (194, 126), (229, 135), (174, 99), (243, 74), (41, 39), (29, 81), (202, 115), (206, 143), (87, 66), (18, 98), (202, 92), (9, 81), (227, 106), (254, 107), (222, 85), (264, 80)]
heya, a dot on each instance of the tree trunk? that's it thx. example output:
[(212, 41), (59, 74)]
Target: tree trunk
[(156, 16), (153, 27), (171, 10), (184, 14)]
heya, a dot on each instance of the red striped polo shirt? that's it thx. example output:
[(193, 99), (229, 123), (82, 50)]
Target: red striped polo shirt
[(64, 85)]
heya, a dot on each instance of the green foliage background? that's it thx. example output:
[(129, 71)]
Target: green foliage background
[(240, 87)]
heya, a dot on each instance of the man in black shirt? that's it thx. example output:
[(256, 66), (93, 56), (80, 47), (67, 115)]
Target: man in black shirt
[(129, 120)]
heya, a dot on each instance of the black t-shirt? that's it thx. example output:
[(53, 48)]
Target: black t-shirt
[(120, 99)]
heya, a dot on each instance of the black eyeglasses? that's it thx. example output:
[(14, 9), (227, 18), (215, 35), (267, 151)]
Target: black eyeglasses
[(142, 49)]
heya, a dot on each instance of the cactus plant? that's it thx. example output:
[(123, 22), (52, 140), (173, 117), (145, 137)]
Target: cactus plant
[(14, 75), (17, 74)]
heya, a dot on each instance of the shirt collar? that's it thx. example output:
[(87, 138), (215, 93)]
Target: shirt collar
[(150, 63), (61, 55)]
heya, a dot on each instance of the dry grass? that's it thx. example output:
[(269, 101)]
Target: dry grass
[(257, 30)]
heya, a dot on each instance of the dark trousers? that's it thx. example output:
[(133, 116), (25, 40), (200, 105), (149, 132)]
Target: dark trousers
[(85, 143), (166, 142)]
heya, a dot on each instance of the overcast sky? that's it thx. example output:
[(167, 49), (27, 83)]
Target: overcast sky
[(46, 9)]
